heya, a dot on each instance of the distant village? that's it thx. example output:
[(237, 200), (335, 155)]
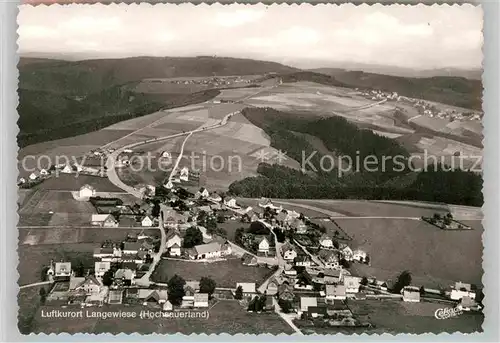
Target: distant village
[(423, 107), (308, 261)]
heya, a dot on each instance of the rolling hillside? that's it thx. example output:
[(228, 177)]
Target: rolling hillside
[(456, 91), (61, 99)]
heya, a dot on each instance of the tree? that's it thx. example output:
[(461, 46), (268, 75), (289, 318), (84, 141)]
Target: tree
[(193, 237), (207, 285), (43, 273), (239, 293), (286, 305), (221, 219), (344, 263), (374, 282), (367, 259), (364, 281), (238, 235), (436, 216), (107, 278), (404, 279), (155, 212), (79, 269), (422, 290), (43, 295), (175, 288)]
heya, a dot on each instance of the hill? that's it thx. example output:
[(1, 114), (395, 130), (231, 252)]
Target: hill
[(451, 90), (60, 99)]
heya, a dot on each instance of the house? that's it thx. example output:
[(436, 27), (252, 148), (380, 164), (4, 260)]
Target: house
[(352, 284), (289, 252), (166, 154), (100, 268), (335, 292), (172, 218), (22, 181), (411, 294), (131, 248), (316, 311), (248, 288), (332, 276), (202, 251), (302, 261), (104, 220), (175, 250), (125, 277), (285, 292), (346, 252), (167, 306), (461, 290), (201, 300), (107, 253), (231, 203), (267, 203), (306, 302), (86, 191), (468, 304), (202, 193), (215, 197), (248, 260), (147, 221), (326, 241), (169, 185), (115, 296), (62, 269), (87, 285), (359, 255), (299, 226), (329, 258), (34, 176), (44, 172), (272, 286), (264, 245), (173, 238), (67, 169), (289, 270), (304, 281), (184, 174)]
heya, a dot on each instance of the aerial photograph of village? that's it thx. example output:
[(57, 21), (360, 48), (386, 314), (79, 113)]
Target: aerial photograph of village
[(269, 170)]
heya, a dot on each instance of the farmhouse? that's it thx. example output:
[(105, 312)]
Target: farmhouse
[(272, 286), (306, 302), (107, 253), (115, 297), (329, 258), (87, 285), (461, 290), (175, 250), (285, 292), (44, 172), (173, 238), (104, 220), (86, 191), (347, 253), (34, 176), (231, 203), (299, 226), (184, 174), (248, 260), (468, 304), (67, 169), (411, 294), (100, 268), (210, 250), (289, 252), (124, 277), (202, 193), (147, 221), (215, 197)]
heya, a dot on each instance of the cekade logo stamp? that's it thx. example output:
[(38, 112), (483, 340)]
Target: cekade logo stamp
[(446, 313)]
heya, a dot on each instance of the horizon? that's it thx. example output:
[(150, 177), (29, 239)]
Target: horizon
[(305, 37)]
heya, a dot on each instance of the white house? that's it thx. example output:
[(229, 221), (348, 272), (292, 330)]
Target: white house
[(202, 193), (264, 245), (62, 269), (302, 261), (248, 288), (359, 255), (86, 191), (326, 241), (231, 203), (22, 181), (166, 154), (101, 267), (67, 169), (209, 250), (215, 197), (33, 176), (44, 172), (169, 185), (104, 220), (461, 290), (184, 174), (201, 300), (352, 284), (347, 253), (173, 238), (411, 294), (147, 221), (87, 285), (175, 250)]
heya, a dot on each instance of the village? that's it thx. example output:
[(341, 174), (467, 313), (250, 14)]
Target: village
[(307, 268)]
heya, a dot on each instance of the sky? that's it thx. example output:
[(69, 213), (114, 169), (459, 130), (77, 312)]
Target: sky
[(305, 36)]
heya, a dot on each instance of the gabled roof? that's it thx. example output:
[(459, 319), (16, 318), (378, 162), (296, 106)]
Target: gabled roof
[(207, 248), (175, 246), (63, 267), (87, 186), (248, 287), (306, 302), (126, 274), (338, 290), (201, 297)]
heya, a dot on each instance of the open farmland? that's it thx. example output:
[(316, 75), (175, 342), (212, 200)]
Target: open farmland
[(389, 316), (225, 317), (436, 258), (225, 273)]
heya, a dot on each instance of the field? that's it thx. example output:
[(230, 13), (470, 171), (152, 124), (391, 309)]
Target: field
[(436, 258), (72, 182), (225, 274), (417, 318), (32, 259), (226, 316), (29, 301)]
